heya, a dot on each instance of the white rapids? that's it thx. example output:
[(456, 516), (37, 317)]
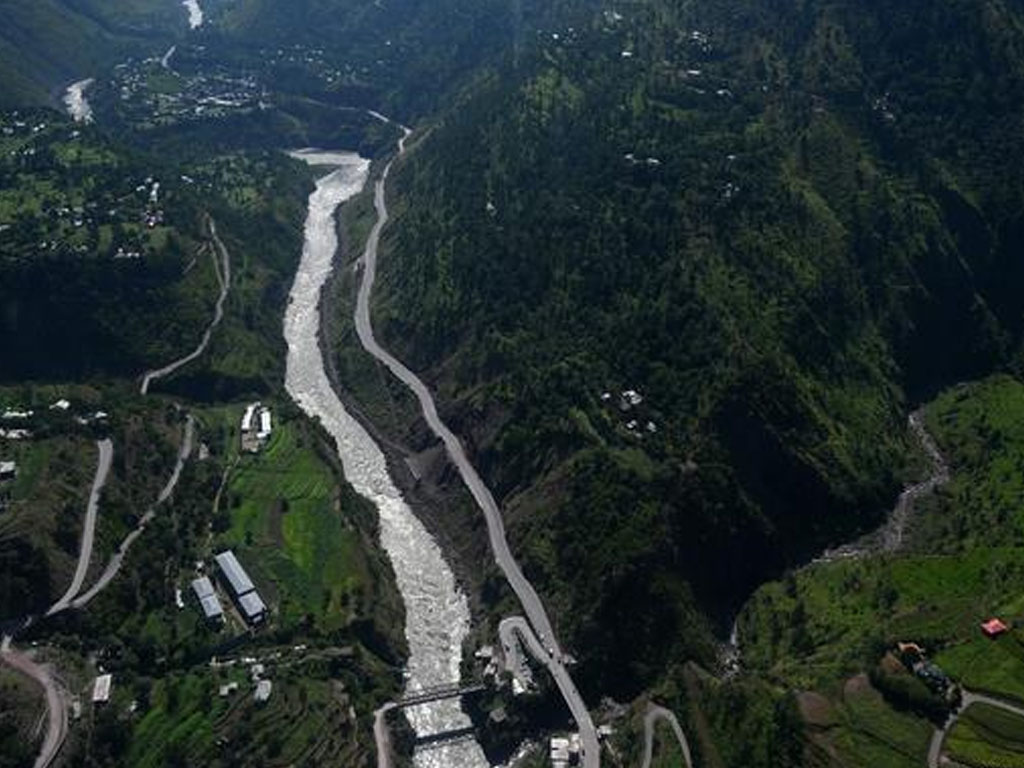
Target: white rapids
[(78, 106), (195, 13), (437, 613)]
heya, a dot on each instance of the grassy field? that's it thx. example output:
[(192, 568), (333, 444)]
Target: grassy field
[(987, 737), (288, 523), (980, 428), (830, 619), (872, 733)]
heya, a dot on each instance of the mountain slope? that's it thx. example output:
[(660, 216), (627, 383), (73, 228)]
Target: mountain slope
[(778, 224), (47, 43)]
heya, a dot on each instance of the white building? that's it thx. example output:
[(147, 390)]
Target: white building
[(101, 689), (8, 470), (263, 690), (559, 752), (257, 427)]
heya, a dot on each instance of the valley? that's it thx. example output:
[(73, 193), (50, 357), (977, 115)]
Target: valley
[(631, 384)]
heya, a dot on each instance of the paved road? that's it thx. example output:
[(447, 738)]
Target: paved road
[(655, 713), (56, 701), (969, 697), (513, 632), (223, 270), (381, 735), (551, 654), (106, 456), (117, 559)]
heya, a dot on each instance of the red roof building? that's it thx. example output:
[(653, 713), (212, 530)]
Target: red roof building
[(994, 627)]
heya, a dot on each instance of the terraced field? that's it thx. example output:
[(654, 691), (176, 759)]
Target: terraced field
[(987, 737)]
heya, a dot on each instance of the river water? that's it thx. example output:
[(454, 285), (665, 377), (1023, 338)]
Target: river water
[(78, 106), (437, 613), (195, 13)]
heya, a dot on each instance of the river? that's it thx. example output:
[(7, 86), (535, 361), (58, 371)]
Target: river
[(195, 13), (437, 612), (74, 99)]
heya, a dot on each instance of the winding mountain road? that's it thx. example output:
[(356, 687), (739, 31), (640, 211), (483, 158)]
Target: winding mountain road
[(544, 646), (56, 700), (654, 714), (117, 559), (106, 456), (968, 698), (223, 270)]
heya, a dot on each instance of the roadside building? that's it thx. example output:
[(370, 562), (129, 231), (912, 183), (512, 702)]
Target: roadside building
[(101, 689), (994, 627), (257, 426), (559, 752), (242, 590), (208, 601)]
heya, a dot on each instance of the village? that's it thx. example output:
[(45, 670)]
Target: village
[(150, 93), (71, 197)]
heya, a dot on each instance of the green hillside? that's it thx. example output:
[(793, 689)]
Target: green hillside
[(780, 225), (45, 44)]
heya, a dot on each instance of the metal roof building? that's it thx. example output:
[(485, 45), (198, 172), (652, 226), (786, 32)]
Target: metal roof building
[(253, 607), (234, 573), (208, 601)]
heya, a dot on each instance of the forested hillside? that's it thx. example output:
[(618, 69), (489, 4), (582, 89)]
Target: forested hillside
[(779, 225), (47, 43)]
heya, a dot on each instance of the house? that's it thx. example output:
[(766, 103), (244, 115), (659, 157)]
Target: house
[(994, 627), (911, 648), (101, 689), (256, 427), (265, 425), (263, 690), (8, 470), (559, 751)]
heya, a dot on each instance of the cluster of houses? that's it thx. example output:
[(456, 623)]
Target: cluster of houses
[(71, 221), (206, 94), (629, 402), (314, 62), (256, 429), (235, 580), (15, 422)]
